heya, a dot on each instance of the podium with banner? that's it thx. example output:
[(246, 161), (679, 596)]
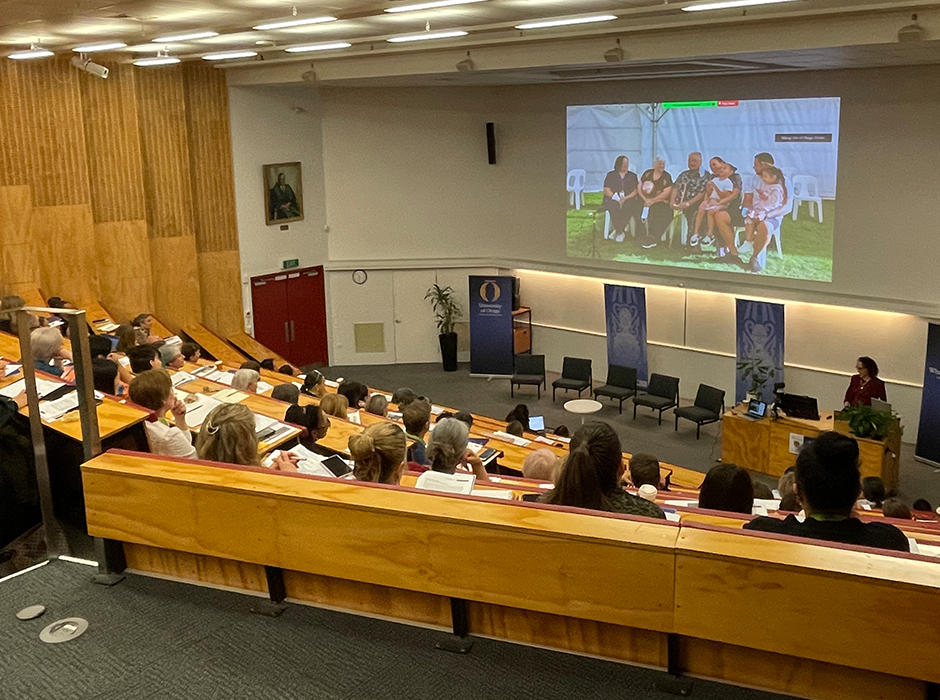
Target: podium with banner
[(491, 326)]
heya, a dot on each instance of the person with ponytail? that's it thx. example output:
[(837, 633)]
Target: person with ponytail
[(591, 475), (228, 435), (378, 453), (447, 449)]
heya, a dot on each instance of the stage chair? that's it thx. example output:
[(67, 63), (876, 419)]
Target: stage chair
[(661, 395), (806, 189), (529, 369), (683, 223), (621, 384), (575, 187), (708, 407), (607, 231), (575, 374)]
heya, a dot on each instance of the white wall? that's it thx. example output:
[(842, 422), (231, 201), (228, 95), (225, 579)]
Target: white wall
[(266, 129)]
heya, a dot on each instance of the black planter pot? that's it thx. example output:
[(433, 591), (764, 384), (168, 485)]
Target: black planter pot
[(449, 351)]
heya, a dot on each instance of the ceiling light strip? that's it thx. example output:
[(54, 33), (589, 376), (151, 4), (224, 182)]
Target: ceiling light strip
[(173, 38), (287, 23), (543, 24), (103, 46), (318, 47), (228, 55), (430, 5), (31, 53), (729, 4), (426, 36)]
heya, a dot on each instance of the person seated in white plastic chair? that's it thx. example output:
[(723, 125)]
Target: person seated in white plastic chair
[(765, 215), (620, 197), (688, 193)]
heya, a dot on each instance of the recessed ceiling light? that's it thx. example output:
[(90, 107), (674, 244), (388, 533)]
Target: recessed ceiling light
[(729, 4), (542, 24), (162, 58), (294, 23), (430, 5), (103, 46), (226, 55), (319, 47), (426, 36), (34, 51), (172, 38)]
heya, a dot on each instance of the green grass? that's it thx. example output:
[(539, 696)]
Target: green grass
[(807, 245)]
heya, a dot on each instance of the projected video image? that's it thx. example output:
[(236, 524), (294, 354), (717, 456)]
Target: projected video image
[(744, 186)]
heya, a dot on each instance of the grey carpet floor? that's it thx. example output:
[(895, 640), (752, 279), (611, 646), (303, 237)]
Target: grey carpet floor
[(150, 639), (491, 398)]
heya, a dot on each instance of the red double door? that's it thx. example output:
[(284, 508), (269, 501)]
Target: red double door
[(289, 311)]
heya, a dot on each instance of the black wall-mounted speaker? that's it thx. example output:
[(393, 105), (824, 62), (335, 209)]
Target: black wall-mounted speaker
[(491, 143)]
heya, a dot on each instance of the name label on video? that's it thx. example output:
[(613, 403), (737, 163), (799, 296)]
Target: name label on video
[(803, 138)]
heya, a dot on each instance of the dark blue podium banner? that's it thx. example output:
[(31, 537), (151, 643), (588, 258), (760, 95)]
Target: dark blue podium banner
[(491, 343), (760, 331), (928, 433), (625, 309)]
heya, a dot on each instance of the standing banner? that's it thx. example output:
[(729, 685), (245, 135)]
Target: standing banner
[(928, 432), (626, 328), (760, 332), (491, 344)]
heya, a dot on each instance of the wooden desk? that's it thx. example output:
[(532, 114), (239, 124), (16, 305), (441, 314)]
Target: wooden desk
[(764, 445), (213, 344), (9, 346), (255, 350)]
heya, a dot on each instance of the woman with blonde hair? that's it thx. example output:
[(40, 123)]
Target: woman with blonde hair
[(228, 435), (335, 405), (48, 351), (378, 453)]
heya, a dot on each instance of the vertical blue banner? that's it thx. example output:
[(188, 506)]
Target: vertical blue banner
[(626, 328), (491, 343), (760, 332), (928, 433)]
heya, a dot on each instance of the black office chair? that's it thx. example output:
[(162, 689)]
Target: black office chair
[(575, 374), (621, 384), (529, 369), (661, 395), (708, 407)]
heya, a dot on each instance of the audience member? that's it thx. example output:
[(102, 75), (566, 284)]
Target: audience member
[(562, 431), (873, 489), (828, 483), (49, 353), (896, 508), (591, 474), (515, 428), (251, 364), (127, 338), (314, 420), (727, 487), (378, 453), (105, 373), (787, 482), (191, 352), (540, 464), (354, 392), (171, 357), (335, 405), (790, 503), (314, 384), (922, 505), (644, 469), (153, 389), (59, 320), (143, 323), (416, 416), (286, 369), (402, 397), (286, 392), (519, 413), (465, 417), (228, 435), (11, 302), (268, 364), (447, 448), (100, 348), (246, 380), (144, 357), (762, 490), (377, 405)]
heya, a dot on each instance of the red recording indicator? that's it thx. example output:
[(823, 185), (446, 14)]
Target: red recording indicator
[(728, 103)]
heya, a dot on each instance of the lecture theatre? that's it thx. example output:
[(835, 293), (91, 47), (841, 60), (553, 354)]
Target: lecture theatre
[(356, 349)]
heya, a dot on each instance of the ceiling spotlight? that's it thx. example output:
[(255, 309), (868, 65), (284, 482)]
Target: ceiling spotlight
[(163, 58), (729, 4), (614, 55), (429, 5), (426, 36), (104, 46), (173, 38), (34, 51), (318, 47), (228, 55), (294, 23), (543, 24), (83, 64), (466, 65)]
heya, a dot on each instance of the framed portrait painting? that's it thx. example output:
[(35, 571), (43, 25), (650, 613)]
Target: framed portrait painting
[(283, 193)]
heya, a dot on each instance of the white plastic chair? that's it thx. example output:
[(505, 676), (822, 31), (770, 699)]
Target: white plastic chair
[(607, 231), (683, 222), (805, 188), (575, 187)]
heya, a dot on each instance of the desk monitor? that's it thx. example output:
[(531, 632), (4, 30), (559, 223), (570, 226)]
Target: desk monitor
[(796, 406), (536, 423), (879, 405)]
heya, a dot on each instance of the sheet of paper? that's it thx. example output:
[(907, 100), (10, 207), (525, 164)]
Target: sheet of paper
[(197, 411), (682, 504), (204, 371), (53, 410), (502, 494), (263, 422), (221, 377), (475, 447), (394, 415), (446, 483), (913, 544), (563, 439), (354, 417), (758, 510), (181, 378), (928, 549), (264, 386), (542, 438), (11, 369), (437, 410), (230, 396), (520, 441), (124, 361), (280, 431), (547, 486), (331, 383), (767, 503), (173, 340), (107, 327), (43, 386), (672, 516)]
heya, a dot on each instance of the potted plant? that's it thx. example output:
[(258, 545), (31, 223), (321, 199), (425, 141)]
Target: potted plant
[(447, 311), (759, 373), (866, 422)]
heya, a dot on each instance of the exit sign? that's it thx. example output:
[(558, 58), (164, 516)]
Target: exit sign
[(288, 264)]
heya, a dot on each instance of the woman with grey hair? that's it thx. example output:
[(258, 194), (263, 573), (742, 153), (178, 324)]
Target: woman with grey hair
[(655, 189), (48, 352), (377, 405), (447, 449), (246, 380)]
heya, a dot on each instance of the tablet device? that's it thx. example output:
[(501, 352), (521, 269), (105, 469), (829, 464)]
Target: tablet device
[(336, 465), (756, 409), (536, 423)]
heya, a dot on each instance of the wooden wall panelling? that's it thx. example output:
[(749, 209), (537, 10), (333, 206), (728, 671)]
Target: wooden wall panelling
[(192, 567), (124, 268), (176, 298), (14, 124), (19, 266), (113, 137), (65, 244), (56, 156), (220, 290)]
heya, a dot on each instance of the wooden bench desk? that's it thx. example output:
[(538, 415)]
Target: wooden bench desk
[(213, 344), (255, 350)]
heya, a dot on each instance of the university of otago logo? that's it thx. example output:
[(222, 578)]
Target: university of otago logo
[(489, 289)]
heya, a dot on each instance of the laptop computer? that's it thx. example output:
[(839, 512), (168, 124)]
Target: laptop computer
[(796, 406), (879, 405), (536, 424), (756, 409)]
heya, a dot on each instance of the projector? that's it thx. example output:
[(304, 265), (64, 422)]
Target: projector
[(465, 66), (912, 32), (90, 67), (614, 55)]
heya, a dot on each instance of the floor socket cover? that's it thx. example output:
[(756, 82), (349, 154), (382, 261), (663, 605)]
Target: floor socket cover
[(31, 613), (64, 630)]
